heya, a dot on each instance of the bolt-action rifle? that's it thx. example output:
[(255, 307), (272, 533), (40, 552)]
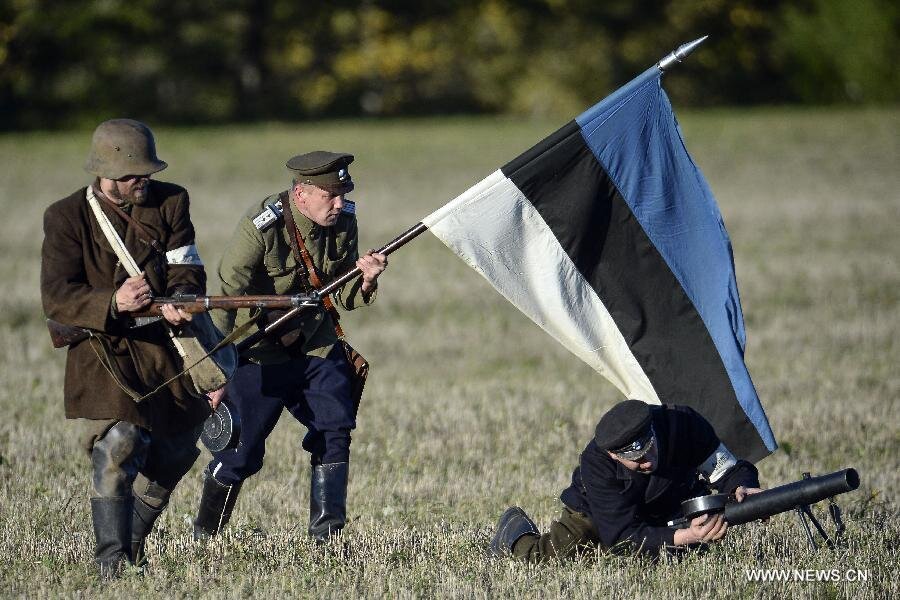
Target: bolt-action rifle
[(65, 335)]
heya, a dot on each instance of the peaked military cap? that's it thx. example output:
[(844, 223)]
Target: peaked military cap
[(626, 430), (327, 170)]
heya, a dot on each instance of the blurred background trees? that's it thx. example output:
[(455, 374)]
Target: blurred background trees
[(66, 64)]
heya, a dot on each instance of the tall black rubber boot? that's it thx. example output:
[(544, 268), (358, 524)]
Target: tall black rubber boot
[(143, 518), (216, 505), (112, 531), (328, 500), (513, 524)]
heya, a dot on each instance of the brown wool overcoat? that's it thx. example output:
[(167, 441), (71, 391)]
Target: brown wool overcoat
[(80, 273)]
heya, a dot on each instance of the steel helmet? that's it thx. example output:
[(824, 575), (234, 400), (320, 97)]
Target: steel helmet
[(122, 147)]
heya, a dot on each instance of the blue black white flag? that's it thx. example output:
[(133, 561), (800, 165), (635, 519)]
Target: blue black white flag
[(608, 237)]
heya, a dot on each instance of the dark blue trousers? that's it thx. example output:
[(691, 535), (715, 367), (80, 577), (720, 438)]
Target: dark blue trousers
[(316, 391)]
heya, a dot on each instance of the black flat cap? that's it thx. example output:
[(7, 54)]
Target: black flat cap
[(624, 424), (327, 170)]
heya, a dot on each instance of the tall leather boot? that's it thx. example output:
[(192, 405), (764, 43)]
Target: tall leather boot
[(216, 505), (143, 518), (514, 524), (328, 500), (112, 530)]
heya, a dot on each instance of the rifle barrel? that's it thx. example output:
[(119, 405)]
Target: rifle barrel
[(198, 304)]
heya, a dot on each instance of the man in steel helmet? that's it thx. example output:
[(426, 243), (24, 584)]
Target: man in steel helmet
[(630, 481), (141, 442)]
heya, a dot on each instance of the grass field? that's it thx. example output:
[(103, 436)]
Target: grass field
[(470, 407)]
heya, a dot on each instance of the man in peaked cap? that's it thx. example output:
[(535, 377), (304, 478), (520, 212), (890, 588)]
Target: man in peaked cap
[(293, 243), (139, 450), (632, 477)]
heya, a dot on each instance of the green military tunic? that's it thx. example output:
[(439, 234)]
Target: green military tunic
[(261, 262)]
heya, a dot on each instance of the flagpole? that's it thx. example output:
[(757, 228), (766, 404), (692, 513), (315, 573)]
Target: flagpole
[(652, 73), (673, 58), (395, 244)]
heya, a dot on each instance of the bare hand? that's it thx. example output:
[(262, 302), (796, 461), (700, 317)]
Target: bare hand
[(705, 528), (175, 316), (215, 397), (372, 265), (133, 295), (742, 492)]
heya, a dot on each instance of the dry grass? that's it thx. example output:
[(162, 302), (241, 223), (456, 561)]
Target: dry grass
[(470, 407)]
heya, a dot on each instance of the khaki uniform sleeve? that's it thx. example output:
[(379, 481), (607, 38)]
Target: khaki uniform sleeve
[(243, 255)]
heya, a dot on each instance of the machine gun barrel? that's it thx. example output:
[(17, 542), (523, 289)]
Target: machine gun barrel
[(787, 497)]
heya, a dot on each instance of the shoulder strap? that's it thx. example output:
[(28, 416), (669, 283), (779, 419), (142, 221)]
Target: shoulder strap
[(298, 246), (291, 225), (112, 237)]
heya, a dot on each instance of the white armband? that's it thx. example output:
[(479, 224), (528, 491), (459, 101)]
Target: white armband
[(186, 255), (714, 467)]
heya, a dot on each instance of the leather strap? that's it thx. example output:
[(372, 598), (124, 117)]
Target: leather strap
[(301, 267), (298, 246), (143, 234), (115, 241)]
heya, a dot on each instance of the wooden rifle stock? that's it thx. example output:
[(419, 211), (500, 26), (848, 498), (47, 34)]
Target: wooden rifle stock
[(62, 335)]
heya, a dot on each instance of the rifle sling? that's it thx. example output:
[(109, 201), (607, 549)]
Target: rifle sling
[(301, 255), (108, 362)]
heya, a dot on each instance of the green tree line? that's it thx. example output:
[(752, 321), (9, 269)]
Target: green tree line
[(68, 63)]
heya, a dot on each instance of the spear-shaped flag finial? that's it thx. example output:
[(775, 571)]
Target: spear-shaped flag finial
[(680, 54)]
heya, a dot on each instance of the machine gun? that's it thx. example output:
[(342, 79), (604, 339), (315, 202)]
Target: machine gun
[(797, 496)]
